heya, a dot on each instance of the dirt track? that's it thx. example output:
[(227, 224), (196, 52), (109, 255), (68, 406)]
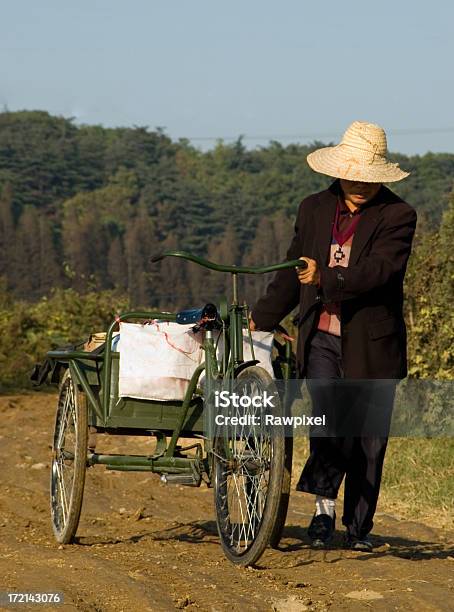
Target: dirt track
[(143, 545)]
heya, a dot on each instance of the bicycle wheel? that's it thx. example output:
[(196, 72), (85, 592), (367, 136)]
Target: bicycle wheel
[(248, 469), (285, 495), (67, 478)]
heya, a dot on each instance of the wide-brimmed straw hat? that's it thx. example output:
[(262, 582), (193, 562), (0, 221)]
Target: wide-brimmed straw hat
[(360, 156)]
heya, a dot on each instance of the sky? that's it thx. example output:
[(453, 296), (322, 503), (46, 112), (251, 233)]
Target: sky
[(287, 70)]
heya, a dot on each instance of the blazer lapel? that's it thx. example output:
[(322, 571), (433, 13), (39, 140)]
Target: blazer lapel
[(368, 222)]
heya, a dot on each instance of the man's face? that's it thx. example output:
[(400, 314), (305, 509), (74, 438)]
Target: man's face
[(359, 193)]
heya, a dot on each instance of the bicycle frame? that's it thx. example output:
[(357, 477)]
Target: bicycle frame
[(94, 375)]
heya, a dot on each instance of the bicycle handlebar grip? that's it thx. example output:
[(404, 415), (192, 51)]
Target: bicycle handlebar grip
[(303, 264)]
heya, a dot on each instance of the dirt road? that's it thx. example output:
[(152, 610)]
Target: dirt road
[(143, 545)]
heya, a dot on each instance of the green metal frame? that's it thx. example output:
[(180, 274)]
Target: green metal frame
[(95, 375)]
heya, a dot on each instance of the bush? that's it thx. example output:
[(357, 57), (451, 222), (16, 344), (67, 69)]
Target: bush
[(28, 331)]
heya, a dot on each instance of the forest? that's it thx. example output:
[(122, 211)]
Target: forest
[(83, 208)]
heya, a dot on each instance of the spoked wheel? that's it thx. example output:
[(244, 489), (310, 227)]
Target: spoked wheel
[(69, 460), (248, 469), (285, 495)]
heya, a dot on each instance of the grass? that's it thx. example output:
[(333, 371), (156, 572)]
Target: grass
[(418, 478)]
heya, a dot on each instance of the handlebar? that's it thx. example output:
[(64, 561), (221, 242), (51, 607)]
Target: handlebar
[(233, 269)]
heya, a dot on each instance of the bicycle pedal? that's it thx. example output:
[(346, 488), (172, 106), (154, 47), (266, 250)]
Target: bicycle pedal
[(180, 479)]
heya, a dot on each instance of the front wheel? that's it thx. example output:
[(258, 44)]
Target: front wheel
[(69, 460), (249, 470), (285, 495)]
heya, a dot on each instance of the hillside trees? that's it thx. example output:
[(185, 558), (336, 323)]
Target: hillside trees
[(39, 158), (85, 207)]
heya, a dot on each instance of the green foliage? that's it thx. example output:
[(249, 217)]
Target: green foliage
[(428, 186), (28, 331), (430, 297)]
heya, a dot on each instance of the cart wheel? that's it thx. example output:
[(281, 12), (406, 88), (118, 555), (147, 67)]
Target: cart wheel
[(69, 460), (248, 470)]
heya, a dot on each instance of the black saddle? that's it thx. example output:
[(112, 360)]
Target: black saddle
[(204, 318)]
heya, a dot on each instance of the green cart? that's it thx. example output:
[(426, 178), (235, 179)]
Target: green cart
[(248, 467)]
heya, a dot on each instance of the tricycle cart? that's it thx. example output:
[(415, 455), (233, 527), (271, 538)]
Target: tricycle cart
[(249, 467)]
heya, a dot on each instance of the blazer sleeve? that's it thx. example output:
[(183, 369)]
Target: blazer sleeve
[(282, 294), (387, 259)]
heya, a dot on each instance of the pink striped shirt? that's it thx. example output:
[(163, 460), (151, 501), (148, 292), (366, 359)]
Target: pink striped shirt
[(338, 256)]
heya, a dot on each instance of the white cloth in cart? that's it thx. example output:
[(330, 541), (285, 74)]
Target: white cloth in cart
[(263, 345), (158, 360), (262, 342)]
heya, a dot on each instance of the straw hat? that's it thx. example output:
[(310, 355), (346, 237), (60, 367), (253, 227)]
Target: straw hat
[(360, 156)]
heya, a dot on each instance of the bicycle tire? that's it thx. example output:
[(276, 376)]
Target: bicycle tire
[(244, 542), (70, 454)]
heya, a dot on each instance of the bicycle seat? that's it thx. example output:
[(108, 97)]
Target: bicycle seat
[(205, 317)]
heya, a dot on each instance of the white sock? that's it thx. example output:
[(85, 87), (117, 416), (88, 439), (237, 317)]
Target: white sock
[(324, 505)]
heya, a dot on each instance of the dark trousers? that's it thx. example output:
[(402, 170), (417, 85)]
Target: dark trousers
[(353, 445)]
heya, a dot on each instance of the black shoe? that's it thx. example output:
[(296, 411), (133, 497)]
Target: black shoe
[(358, 544), (321, 530)]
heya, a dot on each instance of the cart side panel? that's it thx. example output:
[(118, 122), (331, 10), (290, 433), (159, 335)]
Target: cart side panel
[(148, 414)]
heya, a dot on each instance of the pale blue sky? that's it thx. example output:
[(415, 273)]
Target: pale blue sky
[(292, 70)]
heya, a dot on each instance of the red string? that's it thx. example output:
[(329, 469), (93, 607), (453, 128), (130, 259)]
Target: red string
[(187, 353)]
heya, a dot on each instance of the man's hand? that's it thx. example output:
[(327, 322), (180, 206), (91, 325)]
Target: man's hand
[(252, 325), (309, 275)]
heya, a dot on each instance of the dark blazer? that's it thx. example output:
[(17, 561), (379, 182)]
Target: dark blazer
[(370, 290)]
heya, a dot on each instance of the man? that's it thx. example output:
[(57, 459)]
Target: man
[(356, 239)]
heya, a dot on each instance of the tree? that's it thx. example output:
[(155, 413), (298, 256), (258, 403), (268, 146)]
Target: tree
[(80, 244), (49, 266), (33, 267), (116, 265), (7, 233), (269, 246), (223, 250), (26, 258), (140, 245)]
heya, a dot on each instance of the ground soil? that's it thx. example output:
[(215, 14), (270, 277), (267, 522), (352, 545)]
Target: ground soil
[(143, 545)]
